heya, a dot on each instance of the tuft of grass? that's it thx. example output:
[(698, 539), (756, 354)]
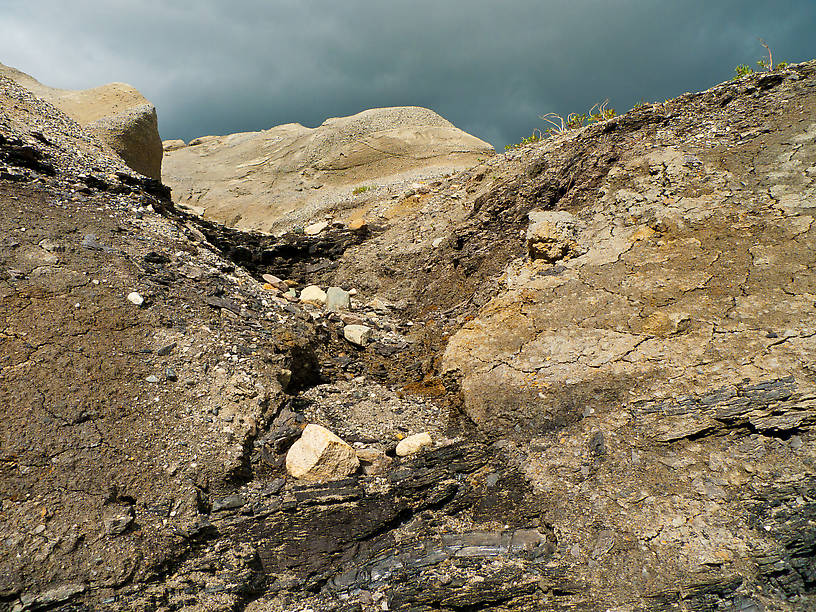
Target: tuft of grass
[(766, 65), (534, 137), (361, 189), (573, 121)]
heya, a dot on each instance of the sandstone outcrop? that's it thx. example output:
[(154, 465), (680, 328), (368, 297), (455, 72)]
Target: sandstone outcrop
[(115, 113), (290, 174)]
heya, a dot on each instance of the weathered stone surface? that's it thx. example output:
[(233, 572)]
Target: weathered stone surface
[(552, 236), (315, 228), (372, 460), (285, 176), (358, 225), (413, 444), (357, 334), (320, 455), (134, 134), (173, 145), (337, 299), (314, 295)]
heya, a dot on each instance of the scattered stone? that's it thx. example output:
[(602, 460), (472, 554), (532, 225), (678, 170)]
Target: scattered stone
[(315, 228), (358, 225), (152, 378), (135, 298), (284, 377), (357, 334), (320, 455), (118, 524), (166, 350), (413, 444), (374, 461), (274, 487), (51, 246), (48, 598), (337, 299), (313, 295), (40, 257), (230, 502), (170, 374), (275, 282), (378, 305), (437, 242)]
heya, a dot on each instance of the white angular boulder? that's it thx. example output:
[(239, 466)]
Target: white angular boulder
[(320, 455), (314, 295), (337, 299), (357, 334)]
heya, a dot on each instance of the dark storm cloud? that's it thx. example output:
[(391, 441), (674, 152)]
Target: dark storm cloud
[(214, 67)]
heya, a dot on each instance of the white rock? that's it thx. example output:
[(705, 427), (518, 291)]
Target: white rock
[(337, 299), (320, 455), (437, 242), (313, 294), (315, 228), (135, 298), (357, 334), (413, 444)]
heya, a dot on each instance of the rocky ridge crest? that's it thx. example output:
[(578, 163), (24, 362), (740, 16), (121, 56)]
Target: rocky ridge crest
[(116, 113)]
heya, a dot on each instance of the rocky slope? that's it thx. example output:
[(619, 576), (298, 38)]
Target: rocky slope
[(291, 175), (608, 335), (116, 113)]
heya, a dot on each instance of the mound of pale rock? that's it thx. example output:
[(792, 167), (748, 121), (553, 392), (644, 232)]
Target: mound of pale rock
[(291, 174), (115, 113)]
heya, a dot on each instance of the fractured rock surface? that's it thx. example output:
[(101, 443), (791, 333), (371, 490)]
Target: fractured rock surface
[(626, 422)]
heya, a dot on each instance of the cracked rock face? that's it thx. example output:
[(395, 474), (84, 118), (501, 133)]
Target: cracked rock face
[(693, 280), (624, 423)]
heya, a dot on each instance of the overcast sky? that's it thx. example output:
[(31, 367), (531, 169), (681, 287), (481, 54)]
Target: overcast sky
[(490, 67)]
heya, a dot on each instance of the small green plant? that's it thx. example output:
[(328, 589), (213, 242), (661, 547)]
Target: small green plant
[(534, 137), (361, 189), (599, 112), (640, 104), (742, 70), (766, 65)]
